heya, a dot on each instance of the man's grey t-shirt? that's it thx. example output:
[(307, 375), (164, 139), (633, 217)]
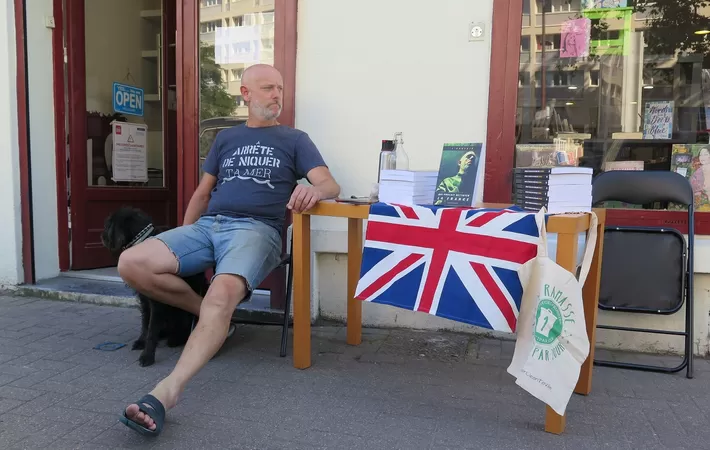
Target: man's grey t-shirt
[(257, 170)]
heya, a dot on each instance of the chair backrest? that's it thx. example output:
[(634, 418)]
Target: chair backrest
[(642, 187), (644, 268)]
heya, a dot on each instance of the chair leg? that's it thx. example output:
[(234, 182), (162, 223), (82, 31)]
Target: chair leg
[(287, 312), (689, 329)]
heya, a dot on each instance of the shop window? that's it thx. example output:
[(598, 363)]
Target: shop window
[(267, 17), (555, 6), (594, 78), (552, 41), (523, 79), (525, 43), (626, 84), (210, 26)]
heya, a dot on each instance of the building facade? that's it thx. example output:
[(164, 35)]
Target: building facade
[(355, 73)]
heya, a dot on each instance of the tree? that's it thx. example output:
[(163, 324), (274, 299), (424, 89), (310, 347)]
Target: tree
[(672, 25), (215, 101)]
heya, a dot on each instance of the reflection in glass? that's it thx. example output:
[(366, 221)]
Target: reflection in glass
[(234, 34), (135, 61), (621, 84)]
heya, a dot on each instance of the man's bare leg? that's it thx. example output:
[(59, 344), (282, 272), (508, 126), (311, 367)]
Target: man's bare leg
[(150, 269), (222, 298)]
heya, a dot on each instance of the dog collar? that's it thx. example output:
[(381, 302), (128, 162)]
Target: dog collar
[(140, 237)]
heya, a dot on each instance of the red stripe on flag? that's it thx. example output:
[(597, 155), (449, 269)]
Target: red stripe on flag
[(485, 218), (496, 294), (448, 239), (431, 281), (438, 261), (409, 212), (389, 275)]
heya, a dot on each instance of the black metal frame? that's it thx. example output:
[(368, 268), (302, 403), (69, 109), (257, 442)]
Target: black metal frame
[(643, 188), (286, 261)]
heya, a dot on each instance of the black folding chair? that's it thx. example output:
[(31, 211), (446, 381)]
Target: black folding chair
[(286, 262), (647, 270), (285, 323)]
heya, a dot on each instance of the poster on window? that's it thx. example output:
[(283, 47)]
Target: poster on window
[(129, 157), (705, 86), (575, 38), (238, 45), (658, 120)]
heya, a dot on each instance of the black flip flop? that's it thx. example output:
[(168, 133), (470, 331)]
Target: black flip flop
[(154, 409)]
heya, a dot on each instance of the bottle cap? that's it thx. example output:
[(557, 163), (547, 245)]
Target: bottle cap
[(387, 145)]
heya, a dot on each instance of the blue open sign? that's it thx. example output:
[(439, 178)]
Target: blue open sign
[(127, 99)]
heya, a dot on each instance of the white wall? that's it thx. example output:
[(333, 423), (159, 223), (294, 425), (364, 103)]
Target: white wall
[(10, 210), (368, 69), (42, 142)]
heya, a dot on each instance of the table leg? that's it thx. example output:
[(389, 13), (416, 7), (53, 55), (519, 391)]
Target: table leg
[(567, 258), (354, 260), (590, 294), (301, 260)]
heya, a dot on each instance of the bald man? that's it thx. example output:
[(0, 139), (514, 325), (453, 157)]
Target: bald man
[(233, 223)]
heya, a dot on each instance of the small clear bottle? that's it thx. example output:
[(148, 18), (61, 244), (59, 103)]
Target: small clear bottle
[(387, 157), (400, 155)]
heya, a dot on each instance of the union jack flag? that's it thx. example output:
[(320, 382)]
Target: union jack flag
[(452, 262)]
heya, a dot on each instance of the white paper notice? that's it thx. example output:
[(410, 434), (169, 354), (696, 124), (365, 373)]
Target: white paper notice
[(237, 45), (129, 152)]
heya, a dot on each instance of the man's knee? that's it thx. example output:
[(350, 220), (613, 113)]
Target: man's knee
[(148, 258), (130, 263), (225, 293)]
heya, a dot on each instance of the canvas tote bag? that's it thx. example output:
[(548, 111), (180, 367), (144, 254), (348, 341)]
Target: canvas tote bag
[(552, 342)]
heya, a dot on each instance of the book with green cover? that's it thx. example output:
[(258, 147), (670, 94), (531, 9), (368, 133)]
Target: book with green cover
[(458, 170)]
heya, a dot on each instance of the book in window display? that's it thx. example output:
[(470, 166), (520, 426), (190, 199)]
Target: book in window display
[(693, 162), (545, 155)]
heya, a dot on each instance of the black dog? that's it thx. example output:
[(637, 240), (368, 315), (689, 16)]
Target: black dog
[(123, 229)]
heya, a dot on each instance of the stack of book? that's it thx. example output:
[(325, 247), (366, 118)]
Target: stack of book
[(559, 189), (407, 187)]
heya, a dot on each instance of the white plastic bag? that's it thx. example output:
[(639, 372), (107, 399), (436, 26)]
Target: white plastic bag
[(552, 342)]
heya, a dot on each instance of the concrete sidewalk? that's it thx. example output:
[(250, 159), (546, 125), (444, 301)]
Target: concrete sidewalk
[(399, 389)]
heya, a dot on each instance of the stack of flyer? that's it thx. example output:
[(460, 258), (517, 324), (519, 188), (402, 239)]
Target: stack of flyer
[(559, 189), (407, 187)]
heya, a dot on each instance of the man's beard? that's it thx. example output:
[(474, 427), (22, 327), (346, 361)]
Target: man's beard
[(265, 113)]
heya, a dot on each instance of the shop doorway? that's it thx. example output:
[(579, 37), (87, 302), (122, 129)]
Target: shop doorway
[(120, 68)]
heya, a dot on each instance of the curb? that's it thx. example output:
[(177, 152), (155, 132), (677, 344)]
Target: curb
[(73, 297)]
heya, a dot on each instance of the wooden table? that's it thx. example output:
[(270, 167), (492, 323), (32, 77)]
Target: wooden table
[(567, 228)]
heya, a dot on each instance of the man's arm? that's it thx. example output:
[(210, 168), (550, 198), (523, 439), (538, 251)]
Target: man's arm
[(323, 187), (323, 181), (200, 199)]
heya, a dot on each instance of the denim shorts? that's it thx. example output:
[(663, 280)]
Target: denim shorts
[(237, 246)]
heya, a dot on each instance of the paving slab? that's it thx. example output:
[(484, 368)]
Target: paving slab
[(400, 389)]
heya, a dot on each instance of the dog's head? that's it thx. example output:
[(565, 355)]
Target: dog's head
[(122, 227)]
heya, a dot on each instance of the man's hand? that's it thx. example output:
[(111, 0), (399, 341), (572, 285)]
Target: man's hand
[(303, 198)]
